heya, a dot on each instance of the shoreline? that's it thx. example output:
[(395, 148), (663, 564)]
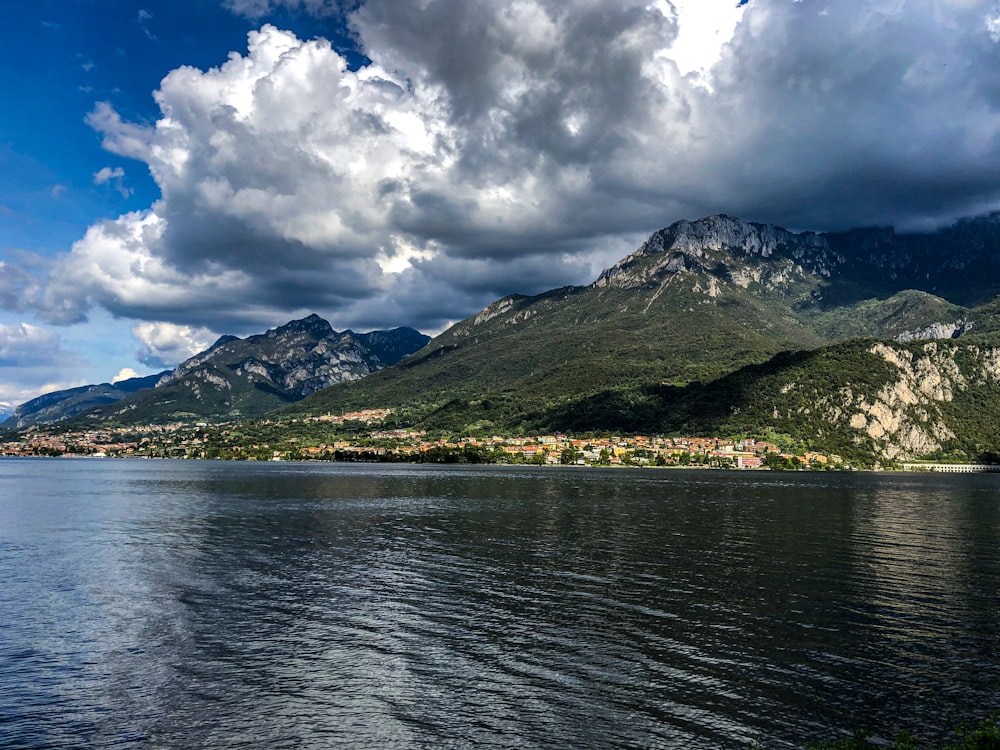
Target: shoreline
[(910, 467)]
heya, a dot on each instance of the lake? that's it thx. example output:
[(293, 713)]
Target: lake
[(176, 604)]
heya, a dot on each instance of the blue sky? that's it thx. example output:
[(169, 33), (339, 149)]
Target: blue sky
[(173, 171), (64, 56)]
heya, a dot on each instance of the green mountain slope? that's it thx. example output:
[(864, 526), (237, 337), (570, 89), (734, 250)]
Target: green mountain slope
[(863, 399), (696, 301), (906, 314)]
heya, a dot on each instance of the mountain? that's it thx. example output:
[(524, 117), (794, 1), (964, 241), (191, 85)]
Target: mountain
[(696, 301), (392, 346), (866, 400), (238, 378), (59, 406)]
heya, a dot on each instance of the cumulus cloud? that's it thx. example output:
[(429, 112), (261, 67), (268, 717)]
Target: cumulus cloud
[(165, 344), (493, 147)]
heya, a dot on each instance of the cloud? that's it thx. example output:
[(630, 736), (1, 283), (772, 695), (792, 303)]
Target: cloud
[(126, 373), (256, 9), (143, 18), (33, 362), (705, 28), (107, 173), (166, 344), (25, 344), (114, 176), (35, 359), (21, 280), (491, 145)]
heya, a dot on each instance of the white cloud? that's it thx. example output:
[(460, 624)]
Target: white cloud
[(107, 173), (144, 18), (703, 29), (126, 373), (993, 26), (114, 176), (166, 344), (491, 145), (37, 359)]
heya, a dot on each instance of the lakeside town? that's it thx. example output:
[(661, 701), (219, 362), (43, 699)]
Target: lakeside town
[(325, 438), (363, 436)]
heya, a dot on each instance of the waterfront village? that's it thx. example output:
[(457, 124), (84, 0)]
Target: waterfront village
[(324, 438)]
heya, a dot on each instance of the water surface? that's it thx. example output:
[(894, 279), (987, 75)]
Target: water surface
[(202, 604)]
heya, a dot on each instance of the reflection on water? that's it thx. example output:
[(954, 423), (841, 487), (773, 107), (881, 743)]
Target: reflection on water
[(169, 604)]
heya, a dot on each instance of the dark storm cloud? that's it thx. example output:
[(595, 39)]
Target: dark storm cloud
[(843, 114)]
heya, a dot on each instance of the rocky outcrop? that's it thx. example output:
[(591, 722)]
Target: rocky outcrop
[(938, 331), (904, 417)]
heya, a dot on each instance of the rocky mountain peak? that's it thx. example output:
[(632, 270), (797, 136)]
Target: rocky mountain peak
[(243, 377), (716, 241), (311, 324), (222, 341)]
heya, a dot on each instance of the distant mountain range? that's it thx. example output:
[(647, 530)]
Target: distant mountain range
[(61, 405), (875, 345), (234, 378), (698, 301)]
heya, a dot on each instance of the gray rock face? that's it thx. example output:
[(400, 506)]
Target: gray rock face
[(938, 331), (904, 418), (745, 250)]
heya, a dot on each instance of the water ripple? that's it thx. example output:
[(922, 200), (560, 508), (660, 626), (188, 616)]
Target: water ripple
[(183, 604)]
